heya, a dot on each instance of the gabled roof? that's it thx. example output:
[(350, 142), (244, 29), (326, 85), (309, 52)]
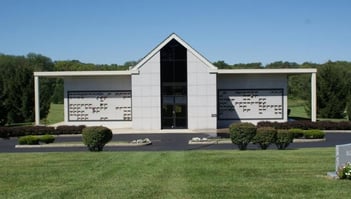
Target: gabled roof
[(210, 66)]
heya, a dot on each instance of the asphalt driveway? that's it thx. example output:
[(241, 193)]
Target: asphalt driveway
[(169, 142)]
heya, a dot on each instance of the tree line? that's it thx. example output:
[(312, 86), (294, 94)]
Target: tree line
[(17, 84)]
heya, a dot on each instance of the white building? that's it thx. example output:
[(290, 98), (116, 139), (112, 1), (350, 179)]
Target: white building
[(175, 87)]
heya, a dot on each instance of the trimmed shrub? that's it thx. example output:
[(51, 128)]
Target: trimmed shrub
[(313, 134), (265, 136), (47, 139), (298, 133), (284, 138), (96, 137), (18, 131), (242, 133), (306, 124), (4, 132), (65, 129), (28, 139)]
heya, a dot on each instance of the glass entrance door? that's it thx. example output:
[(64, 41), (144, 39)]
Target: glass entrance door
[(174, 109), (174, 113)]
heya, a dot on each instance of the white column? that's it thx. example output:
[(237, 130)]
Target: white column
[(313, 97), (36, 100)]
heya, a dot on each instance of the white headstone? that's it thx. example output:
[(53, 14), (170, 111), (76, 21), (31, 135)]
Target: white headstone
[(343, 155)]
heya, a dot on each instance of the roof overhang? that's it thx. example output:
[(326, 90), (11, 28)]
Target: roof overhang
[(56, 74), (60, 74), (268, 71)]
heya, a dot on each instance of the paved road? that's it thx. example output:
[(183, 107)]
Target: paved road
[(168, 142)]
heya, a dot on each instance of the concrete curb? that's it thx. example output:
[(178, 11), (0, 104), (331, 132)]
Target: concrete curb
[(230, 142), (308, 140), (211, 142), (337, 131), (63, 145)]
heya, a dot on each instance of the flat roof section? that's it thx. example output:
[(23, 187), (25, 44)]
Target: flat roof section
[(268, 71), (130, 72), (81, 73)]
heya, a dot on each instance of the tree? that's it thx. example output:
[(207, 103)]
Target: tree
[(332, 90), (17, 87), (221, 64), (58, 93), (280, 64)]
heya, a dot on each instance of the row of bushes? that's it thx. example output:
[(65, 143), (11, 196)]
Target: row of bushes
[(306, 124), (242, 134), (18, 131), (32, 140), (307, 134)]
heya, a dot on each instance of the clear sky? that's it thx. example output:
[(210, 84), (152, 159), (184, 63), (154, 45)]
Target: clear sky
[(236, 31)]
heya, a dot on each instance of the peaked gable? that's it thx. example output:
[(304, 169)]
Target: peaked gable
[(210, 66)]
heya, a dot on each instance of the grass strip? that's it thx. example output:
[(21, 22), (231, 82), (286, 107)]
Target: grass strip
[(186, 174)]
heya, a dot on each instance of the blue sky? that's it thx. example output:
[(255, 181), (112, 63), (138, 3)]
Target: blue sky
[(236, 31)]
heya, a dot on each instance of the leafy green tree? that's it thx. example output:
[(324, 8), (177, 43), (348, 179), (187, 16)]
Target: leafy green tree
[(17, 87), (280, 64), (299, 86), (58, 94), (221, 64), (332, 90), (256, 65)]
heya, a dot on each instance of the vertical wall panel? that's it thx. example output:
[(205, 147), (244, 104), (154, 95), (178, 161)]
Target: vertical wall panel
[(202, 99), (146, 92)]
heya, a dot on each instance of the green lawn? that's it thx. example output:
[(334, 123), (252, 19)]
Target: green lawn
[(297, 108), (55, 114), (187, 174)]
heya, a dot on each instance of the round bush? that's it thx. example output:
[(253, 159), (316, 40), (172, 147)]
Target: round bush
[(284, 138), (29, 139), (265, 136), (96, 137), (47, 139), (313, 134), (298, 133), (242, 133)]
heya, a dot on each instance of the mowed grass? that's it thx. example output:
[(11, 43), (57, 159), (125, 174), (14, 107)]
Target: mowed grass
[(297, 108), (186, 174), (55, 115)]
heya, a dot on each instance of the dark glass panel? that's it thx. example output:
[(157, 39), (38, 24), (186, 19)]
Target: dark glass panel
[(174, 85), (180, 111), (167, 123), (167, 110), (179, 123)]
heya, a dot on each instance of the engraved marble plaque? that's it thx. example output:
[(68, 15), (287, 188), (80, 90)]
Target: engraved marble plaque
[(113, 105), (250, 104)]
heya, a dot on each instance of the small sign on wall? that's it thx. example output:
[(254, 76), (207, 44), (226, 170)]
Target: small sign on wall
[(111, 105), (236, 104)]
